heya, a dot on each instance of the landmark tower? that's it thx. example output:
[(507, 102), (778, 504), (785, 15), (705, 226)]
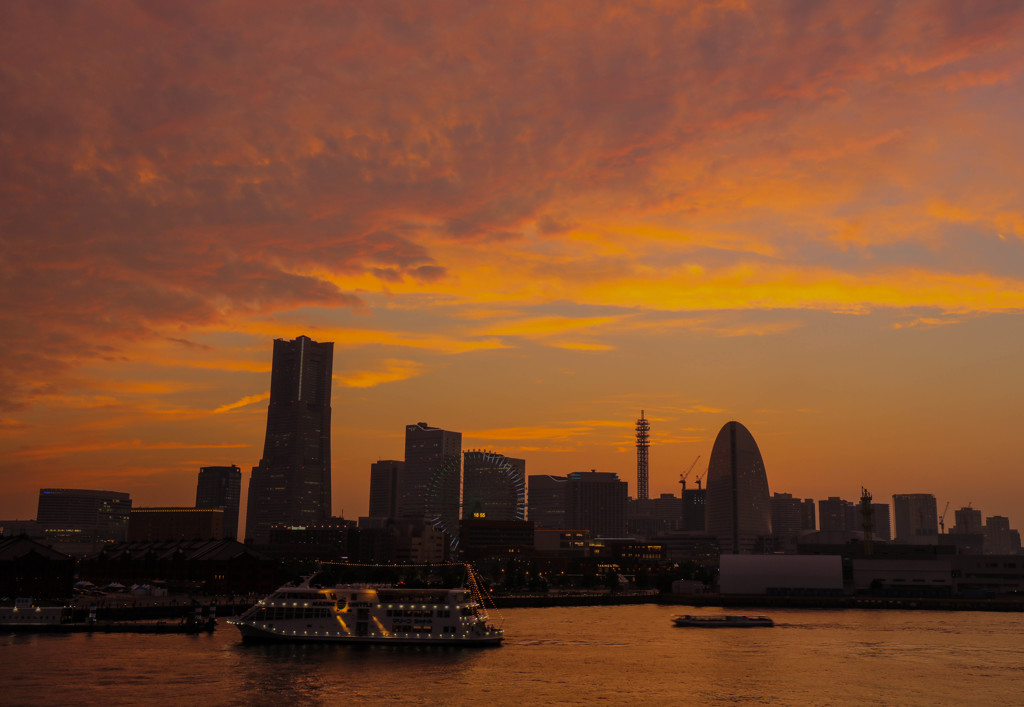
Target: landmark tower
[(739, 510), (292, 484)]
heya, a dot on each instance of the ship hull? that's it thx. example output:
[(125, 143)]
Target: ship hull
[(255, 634)]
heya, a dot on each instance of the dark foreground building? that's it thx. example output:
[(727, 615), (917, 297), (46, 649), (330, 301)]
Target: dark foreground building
[(214, 566), (430, 481), (292, 484), (494, 486), (221, 487), (29, 568)]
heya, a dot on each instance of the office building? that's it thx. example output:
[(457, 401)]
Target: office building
[(596, 501), (836, 515), (968, 521), (172, 524), (292, 484), (808, 519), (916, 516), (221, 487), (694, 505), (82, 520), (738, 504), (384, 488), (431, 479), (1000, 538), (493, 486), (647, 518), (546, 501), (787, 516)]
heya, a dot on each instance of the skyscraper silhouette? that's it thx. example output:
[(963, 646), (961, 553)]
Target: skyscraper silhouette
[(739, 510), (292, 484), (430, 482), (494, 486), (221, 487)]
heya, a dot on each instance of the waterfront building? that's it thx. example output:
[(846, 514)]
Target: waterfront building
[(430, 480), (562, 542), (80, 521), (738, 502), (384, 488), (292, 484), (546, 501), (596, 501), (493, 486), (221, 487), (1000, 538), (218, 566), (30, 568), (485, 538), (917, 518), (172, 524)]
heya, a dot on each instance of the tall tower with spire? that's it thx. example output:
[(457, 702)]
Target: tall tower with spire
[(292, 484), (643, 444)]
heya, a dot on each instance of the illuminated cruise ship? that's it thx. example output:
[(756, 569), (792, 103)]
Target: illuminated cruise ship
[(366, 614)]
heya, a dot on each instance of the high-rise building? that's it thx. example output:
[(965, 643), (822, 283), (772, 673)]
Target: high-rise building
[(81, 520), (839, 515), (221, 487), (547, 501), (648, 518), (493, 486), (430, 482), (968, 520), (384, 488), (916, 516), (596, 501), (1000, 538), (292, 484), (808, 519), (694, 509), (738, 504), (643, 445), (787, 515)]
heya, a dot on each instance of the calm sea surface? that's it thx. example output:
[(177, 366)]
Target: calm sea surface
[(595, 655)]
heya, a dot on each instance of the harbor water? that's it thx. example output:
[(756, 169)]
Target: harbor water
[(608, 655)]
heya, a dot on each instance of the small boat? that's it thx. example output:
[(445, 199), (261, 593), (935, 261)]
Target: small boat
[(721, 621), (25, 613)]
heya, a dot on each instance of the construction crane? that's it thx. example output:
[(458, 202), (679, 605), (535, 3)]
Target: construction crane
[(942, 520), (682, 477), (700, 478)]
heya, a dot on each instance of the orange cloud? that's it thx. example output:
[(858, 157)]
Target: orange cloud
[(247, 400), (391, 371)]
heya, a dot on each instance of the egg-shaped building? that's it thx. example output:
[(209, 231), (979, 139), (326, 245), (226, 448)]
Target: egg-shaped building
[(738, 504)]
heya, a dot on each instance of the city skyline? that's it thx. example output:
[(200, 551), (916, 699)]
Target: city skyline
[(522, 224)]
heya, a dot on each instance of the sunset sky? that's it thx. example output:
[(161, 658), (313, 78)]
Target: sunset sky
[(524, 221)]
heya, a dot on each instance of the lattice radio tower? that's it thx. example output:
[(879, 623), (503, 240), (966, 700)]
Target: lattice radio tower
[(643, 444)]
